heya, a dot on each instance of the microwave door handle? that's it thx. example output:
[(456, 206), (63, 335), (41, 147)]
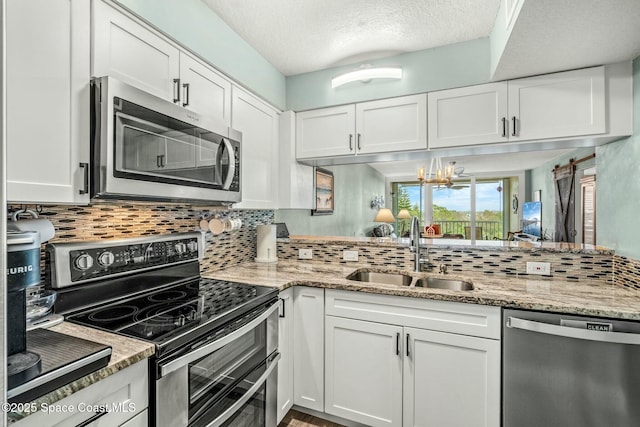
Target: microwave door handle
[(173, 365), (232, 164)]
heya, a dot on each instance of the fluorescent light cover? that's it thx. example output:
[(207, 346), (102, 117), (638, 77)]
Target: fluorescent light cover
[(367, 74)]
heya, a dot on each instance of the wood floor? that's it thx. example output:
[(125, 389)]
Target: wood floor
[(298, 419)]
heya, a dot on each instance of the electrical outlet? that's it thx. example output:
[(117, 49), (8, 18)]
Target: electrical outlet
[(350, 255), (305, 253), (542, 268)]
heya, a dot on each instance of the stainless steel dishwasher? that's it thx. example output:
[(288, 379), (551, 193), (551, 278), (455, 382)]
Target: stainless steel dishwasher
[(569, 371)]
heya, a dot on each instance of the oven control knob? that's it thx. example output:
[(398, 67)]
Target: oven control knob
[(180, 248), (83, 262), (106, 258), (192, 246)]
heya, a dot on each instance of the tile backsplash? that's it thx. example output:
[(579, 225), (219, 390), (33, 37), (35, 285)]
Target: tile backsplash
[(118, 220), (502, 263)]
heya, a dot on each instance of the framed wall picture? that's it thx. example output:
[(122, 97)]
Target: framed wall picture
[(323, 188)]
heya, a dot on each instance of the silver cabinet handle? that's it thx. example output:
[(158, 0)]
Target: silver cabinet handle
[(504, 127), (569, 332), (186, 94), (359, 148), (350, 141), (513, 132), (176, 90), (92, 418), (85, 186), (282, 312), (213, 346)]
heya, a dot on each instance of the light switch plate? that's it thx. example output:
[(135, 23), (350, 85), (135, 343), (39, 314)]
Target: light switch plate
[(305, 253), (542, 268), (350, 255)]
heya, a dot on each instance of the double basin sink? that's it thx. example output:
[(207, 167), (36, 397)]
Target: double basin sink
[(400, 279)]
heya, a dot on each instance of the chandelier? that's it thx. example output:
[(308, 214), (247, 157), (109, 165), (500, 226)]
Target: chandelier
[(439, 175)]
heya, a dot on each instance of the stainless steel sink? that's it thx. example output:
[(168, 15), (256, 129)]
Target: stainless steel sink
[(442, 283), (383, 278)]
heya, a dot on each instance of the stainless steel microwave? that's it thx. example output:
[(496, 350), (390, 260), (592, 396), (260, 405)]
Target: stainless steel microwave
[(147, 148)]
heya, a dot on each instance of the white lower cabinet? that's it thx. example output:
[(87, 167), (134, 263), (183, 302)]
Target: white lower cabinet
[(396, 374), (450, 380), (285, 346), (363, 371), (308, 347), (123, 397)]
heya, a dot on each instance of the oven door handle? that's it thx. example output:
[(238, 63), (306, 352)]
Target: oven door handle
[(248, 395), (174, 365)]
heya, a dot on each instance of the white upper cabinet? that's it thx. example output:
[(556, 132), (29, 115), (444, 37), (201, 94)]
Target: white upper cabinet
[(137, 55), (326, 132), (558, 105), (47, 101), (395, 124), (259, 124), (132, 53), (388, 125), (203, 90), (565, 105), (468, 115)]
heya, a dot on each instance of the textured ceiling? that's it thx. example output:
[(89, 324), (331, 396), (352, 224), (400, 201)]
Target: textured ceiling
[(299, 36)]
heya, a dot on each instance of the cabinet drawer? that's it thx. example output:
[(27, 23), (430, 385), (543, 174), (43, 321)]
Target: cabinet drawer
[(123, 395), (459, 318)]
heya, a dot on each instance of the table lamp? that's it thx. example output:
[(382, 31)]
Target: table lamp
[(385, 215), (402, 215)]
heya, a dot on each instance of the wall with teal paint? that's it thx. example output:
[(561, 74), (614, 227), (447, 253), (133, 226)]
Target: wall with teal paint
[(618, 186), (194, 25), (355, 186), (445, 67), (541, 178)]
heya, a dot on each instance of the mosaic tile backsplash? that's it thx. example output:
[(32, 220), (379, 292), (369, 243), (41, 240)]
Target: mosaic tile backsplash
[(565, 266), (627, 272), (124, 220)]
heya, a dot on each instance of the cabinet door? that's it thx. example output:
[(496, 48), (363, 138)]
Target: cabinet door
[(308, 347), (126, 50), (363, 371), (204, 91), (558, 105), (326, 132), (285, 346), (451, 380), (259, 124), (395, 124), (47, 100), (468, 116)]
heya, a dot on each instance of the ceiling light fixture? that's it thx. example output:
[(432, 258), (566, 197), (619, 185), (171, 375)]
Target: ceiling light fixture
[(366, 73)]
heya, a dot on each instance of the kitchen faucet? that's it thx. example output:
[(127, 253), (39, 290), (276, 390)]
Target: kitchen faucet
[(416, 248)]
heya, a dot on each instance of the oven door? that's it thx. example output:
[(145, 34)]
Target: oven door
[(218, 378)]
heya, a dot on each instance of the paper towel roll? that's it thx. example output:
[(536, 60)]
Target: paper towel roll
[(266, 243)]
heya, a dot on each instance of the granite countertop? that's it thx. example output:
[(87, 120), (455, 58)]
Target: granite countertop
[(584, 298), (124, 352), (493, 245)]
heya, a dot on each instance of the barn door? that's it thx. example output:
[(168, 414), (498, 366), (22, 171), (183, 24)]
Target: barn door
[(564, 179)]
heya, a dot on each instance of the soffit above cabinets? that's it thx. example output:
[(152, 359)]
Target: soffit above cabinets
[(555, 35), (298, 36)]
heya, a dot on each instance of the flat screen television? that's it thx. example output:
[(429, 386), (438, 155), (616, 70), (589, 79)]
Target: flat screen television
[(532, 218)]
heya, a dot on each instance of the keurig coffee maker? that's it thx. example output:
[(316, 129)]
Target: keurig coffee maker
[(23, 271)]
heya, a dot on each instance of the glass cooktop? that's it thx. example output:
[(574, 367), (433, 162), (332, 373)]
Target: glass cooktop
[(173, 313)]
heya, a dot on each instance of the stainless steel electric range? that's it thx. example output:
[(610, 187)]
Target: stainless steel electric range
[(216, 341)]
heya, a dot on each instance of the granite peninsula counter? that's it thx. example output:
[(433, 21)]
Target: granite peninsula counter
[(592, 298)]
